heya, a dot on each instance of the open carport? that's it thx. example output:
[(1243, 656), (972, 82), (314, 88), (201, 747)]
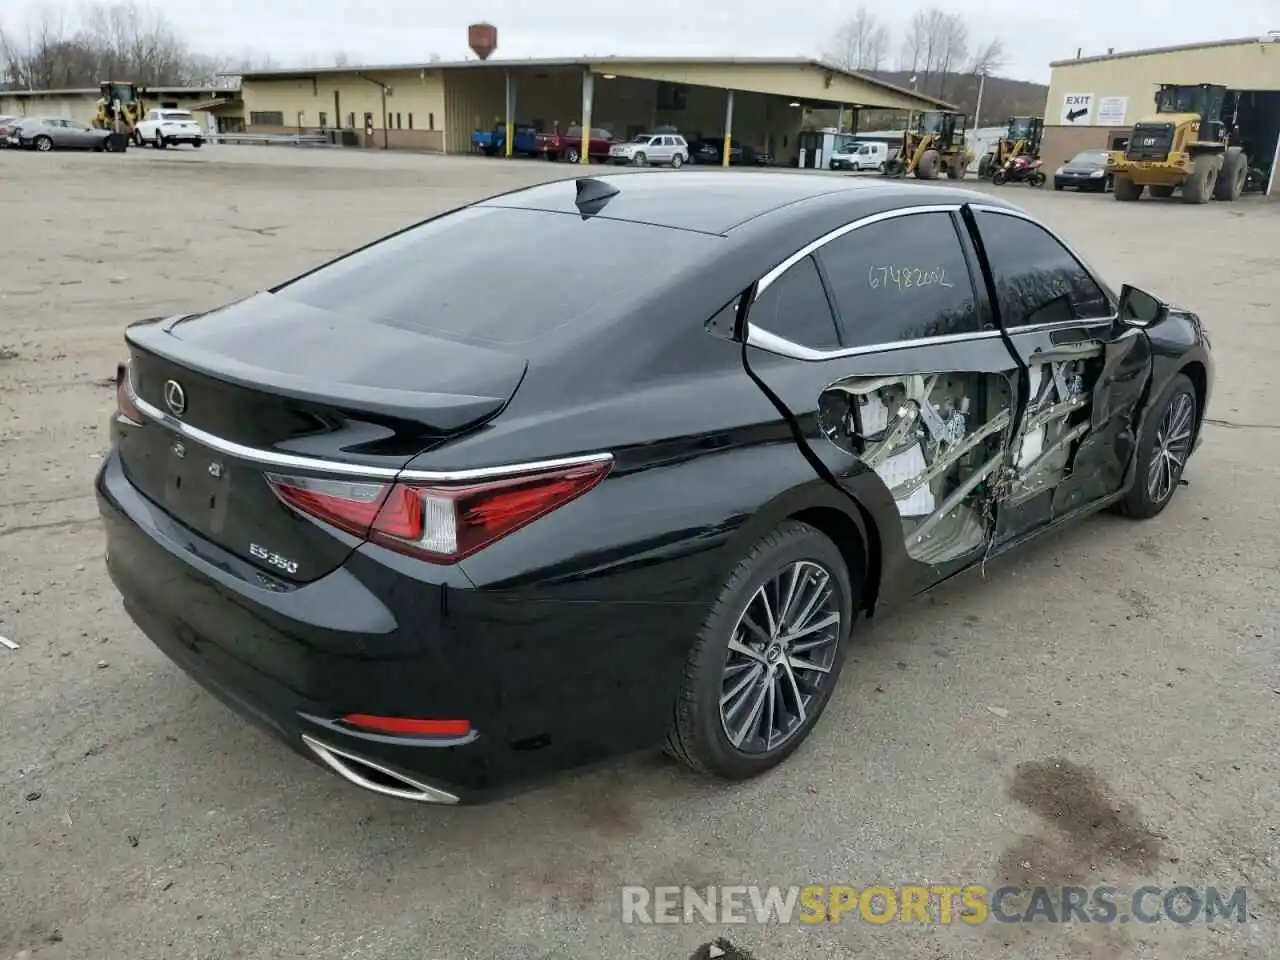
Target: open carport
[(762, 103), (757, 102)]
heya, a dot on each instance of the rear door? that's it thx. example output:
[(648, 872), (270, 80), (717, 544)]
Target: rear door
[(899, 386), (1085, 372)]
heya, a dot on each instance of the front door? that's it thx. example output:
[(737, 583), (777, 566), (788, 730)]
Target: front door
[(880, 348), (1084, 373)]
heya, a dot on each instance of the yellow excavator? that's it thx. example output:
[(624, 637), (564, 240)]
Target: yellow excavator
[(1021, 138), (932, 146), (120, 107), (1185, 144)]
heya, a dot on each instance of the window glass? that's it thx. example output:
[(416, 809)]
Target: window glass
[(795, 308), (901, 279), (498, 275), (1037, 279)]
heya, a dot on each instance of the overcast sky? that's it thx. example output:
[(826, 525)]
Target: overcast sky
[(387, 31)]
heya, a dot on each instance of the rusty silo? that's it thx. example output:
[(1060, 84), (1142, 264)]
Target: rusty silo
[(483, 39)]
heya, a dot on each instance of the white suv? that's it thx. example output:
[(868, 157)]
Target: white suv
[(163, 127), (656, 148)]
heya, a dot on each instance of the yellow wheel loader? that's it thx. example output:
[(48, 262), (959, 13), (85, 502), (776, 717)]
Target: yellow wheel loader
[(120, 107), (933, 145), (1185, 145), (1021, 138)]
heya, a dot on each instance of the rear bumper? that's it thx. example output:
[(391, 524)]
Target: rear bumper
[(544, 689)]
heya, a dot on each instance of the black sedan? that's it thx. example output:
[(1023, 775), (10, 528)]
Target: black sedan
[(1087, 170), (444, 534)]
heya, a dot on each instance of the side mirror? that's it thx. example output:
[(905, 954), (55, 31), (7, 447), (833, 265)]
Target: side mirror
[(1139, 308)]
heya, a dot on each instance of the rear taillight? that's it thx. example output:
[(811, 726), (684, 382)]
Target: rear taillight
[(126, 409), (439, 522)]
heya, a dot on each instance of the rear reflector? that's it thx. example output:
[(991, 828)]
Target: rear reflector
[(126, 409), (407, 726), (439, 523)]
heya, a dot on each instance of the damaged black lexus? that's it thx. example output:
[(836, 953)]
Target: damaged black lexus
[(615, 462)]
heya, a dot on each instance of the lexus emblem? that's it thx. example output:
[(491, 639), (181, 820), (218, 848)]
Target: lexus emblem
[(174, 397)]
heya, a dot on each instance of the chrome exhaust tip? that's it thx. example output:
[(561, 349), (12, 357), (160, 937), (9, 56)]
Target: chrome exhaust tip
[(373, 776)]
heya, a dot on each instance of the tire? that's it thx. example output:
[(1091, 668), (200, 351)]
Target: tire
[(955, 171), (640, 159), (572, 155), (984, 167), (42, 143), (159, 142), (490, 151), (1235, 170), (998, 178), (880, 168), (1200, 185), (927, 169), (1159, 191), (1122, 188), (1037, 180), (1171, 425), (1057, 185), (677, 162), (698, 735), (137, 138), (197, 143)]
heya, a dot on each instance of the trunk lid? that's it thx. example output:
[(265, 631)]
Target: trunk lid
[(266, 381)]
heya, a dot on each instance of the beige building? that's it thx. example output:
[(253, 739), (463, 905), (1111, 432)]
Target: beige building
[(1093, 101), (209, 104), (762, 103)]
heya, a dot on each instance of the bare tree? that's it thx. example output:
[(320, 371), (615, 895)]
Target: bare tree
[(988, 58), (913, 45), (951, 49), (860, 43), (127, 41)]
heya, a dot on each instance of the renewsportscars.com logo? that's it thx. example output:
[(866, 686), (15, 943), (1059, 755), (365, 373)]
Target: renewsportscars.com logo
[(971, 904)]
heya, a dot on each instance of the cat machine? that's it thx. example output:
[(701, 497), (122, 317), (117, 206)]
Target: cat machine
[(1186, 145), (120, 107), (1022, 138), (933, 145)]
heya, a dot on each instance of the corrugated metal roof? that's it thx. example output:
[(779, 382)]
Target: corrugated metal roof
[(301, 72), (94, 91), (1150, 51)]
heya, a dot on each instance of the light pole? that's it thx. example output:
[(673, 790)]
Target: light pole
[(977, 109)]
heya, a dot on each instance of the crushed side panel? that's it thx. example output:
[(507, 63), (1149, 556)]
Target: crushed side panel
[(937, 441)]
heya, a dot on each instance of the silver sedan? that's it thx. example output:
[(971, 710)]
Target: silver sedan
[(57, 133)]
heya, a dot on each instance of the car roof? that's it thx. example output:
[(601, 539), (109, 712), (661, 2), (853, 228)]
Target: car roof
[(719, 202)]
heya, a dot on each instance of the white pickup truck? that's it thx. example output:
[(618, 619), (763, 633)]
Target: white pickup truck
[(161, 127)]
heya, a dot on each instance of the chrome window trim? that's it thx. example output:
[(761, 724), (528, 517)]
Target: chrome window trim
[(772, 343), (767, 280), (293, 461), (764, 340)]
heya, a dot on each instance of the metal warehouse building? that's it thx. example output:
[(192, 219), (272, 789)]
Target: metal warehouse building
[(436, 106), (1093, 100)]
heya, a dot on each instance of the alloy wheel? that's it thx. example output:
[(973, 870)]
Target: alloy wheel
[(781, 652), (1172, 446)]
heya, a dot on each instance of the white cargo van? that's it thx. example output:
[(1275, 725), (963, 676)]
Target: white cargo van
[(861, 156)]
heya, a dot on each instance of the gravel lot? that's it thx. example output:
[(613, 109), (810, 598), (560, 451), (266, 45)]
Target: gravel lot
[(1101, 710)]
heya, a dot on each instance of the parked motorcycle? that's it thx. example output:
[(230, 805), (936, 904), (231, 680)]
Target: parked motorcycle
[(1021, 169)]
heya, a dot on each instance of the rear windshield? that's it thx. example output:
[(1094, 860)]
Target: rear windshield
[(175, 115), (499, 275)]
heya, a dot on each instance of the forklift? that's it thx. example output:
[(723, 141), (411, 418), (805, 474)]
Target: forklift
[(932, 145), (1022, 138), (1186, 145)]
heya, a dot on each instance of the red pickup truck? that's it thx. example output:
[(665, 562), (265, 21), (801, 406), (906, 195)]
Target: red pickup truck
[(568, 145)]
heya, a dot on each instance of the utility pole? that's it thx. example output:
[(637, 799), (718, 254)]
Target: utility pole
[(977, 109)]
